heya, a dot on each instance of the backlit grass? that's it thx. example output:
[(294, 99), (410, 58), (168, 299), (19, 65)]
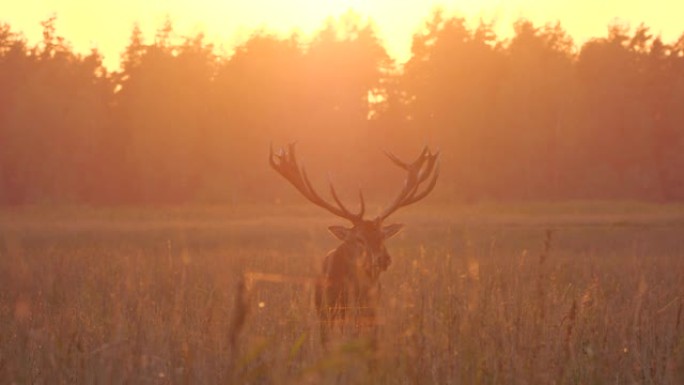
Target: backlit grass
[(581, 293)]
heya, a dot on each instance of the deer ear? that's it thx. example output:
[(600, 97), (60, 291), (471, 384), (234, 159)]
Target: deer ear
[(391, 230), (340, 232)]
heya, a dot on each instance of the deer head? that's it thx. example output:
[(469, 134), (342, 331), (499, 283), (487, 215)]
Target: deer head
[(365, 239)]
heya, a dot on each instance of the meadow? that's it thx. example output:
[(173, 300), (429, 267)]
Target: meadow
[(539, 293)]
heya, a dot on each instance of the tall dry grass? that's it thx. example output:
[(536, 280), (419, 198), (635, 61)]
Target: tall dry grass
[(534, 294)]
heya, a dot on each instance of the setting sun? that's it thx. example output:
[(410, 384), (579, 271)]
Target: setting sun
[(106, 25)]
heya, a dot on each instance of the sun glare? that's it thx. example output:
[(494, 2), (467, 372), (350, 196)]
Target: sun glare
[(106, 25)]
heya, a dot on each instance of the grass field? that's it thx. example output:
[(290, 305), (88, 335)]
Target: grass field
[(576, 293)]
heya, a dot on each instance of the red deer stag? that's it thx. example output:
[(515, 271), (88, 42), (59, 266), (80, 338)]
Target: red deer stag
[(351, 271)]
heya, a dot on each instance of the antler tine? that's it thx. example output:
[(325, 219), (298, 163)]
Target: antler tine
[(362, 204), (425, 172), (270, 156), (424, 153), (285, 163), (336, 198), (423, 168), (291, 153), (430, 186), (416, 165), (362, 210), (396, 160)]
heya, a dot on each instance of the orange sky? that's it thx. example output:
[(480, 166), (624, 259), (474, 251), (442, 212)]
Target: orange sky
[(106, 24)]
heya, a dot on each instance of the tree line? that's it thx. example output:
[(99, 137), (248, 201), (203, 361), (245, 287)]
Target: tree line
[(532, 116)]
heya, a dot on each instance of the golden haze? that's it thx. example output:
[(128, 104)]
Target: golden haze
[(531, 115), (106, 24)]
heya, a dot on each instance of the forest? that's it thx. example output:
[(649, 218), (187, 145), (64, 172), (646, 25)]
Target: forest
[(530, 117)]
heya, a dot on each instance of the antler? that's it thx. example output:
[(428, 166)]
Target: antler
[(285, 163), (418, 172)]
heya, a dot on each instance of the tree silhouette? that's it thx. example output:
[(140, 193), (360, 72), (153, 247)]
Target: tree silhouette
[(530, 117), (451, 82), (532, 111), (53, 120), (162, 108)]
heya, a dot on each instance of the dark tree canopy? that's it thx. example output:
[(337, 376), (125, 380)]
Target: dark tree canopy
[(533, 116)]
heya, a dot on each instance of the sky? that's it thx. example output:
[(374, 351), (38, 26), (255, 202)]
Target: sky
[(107, 24)]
